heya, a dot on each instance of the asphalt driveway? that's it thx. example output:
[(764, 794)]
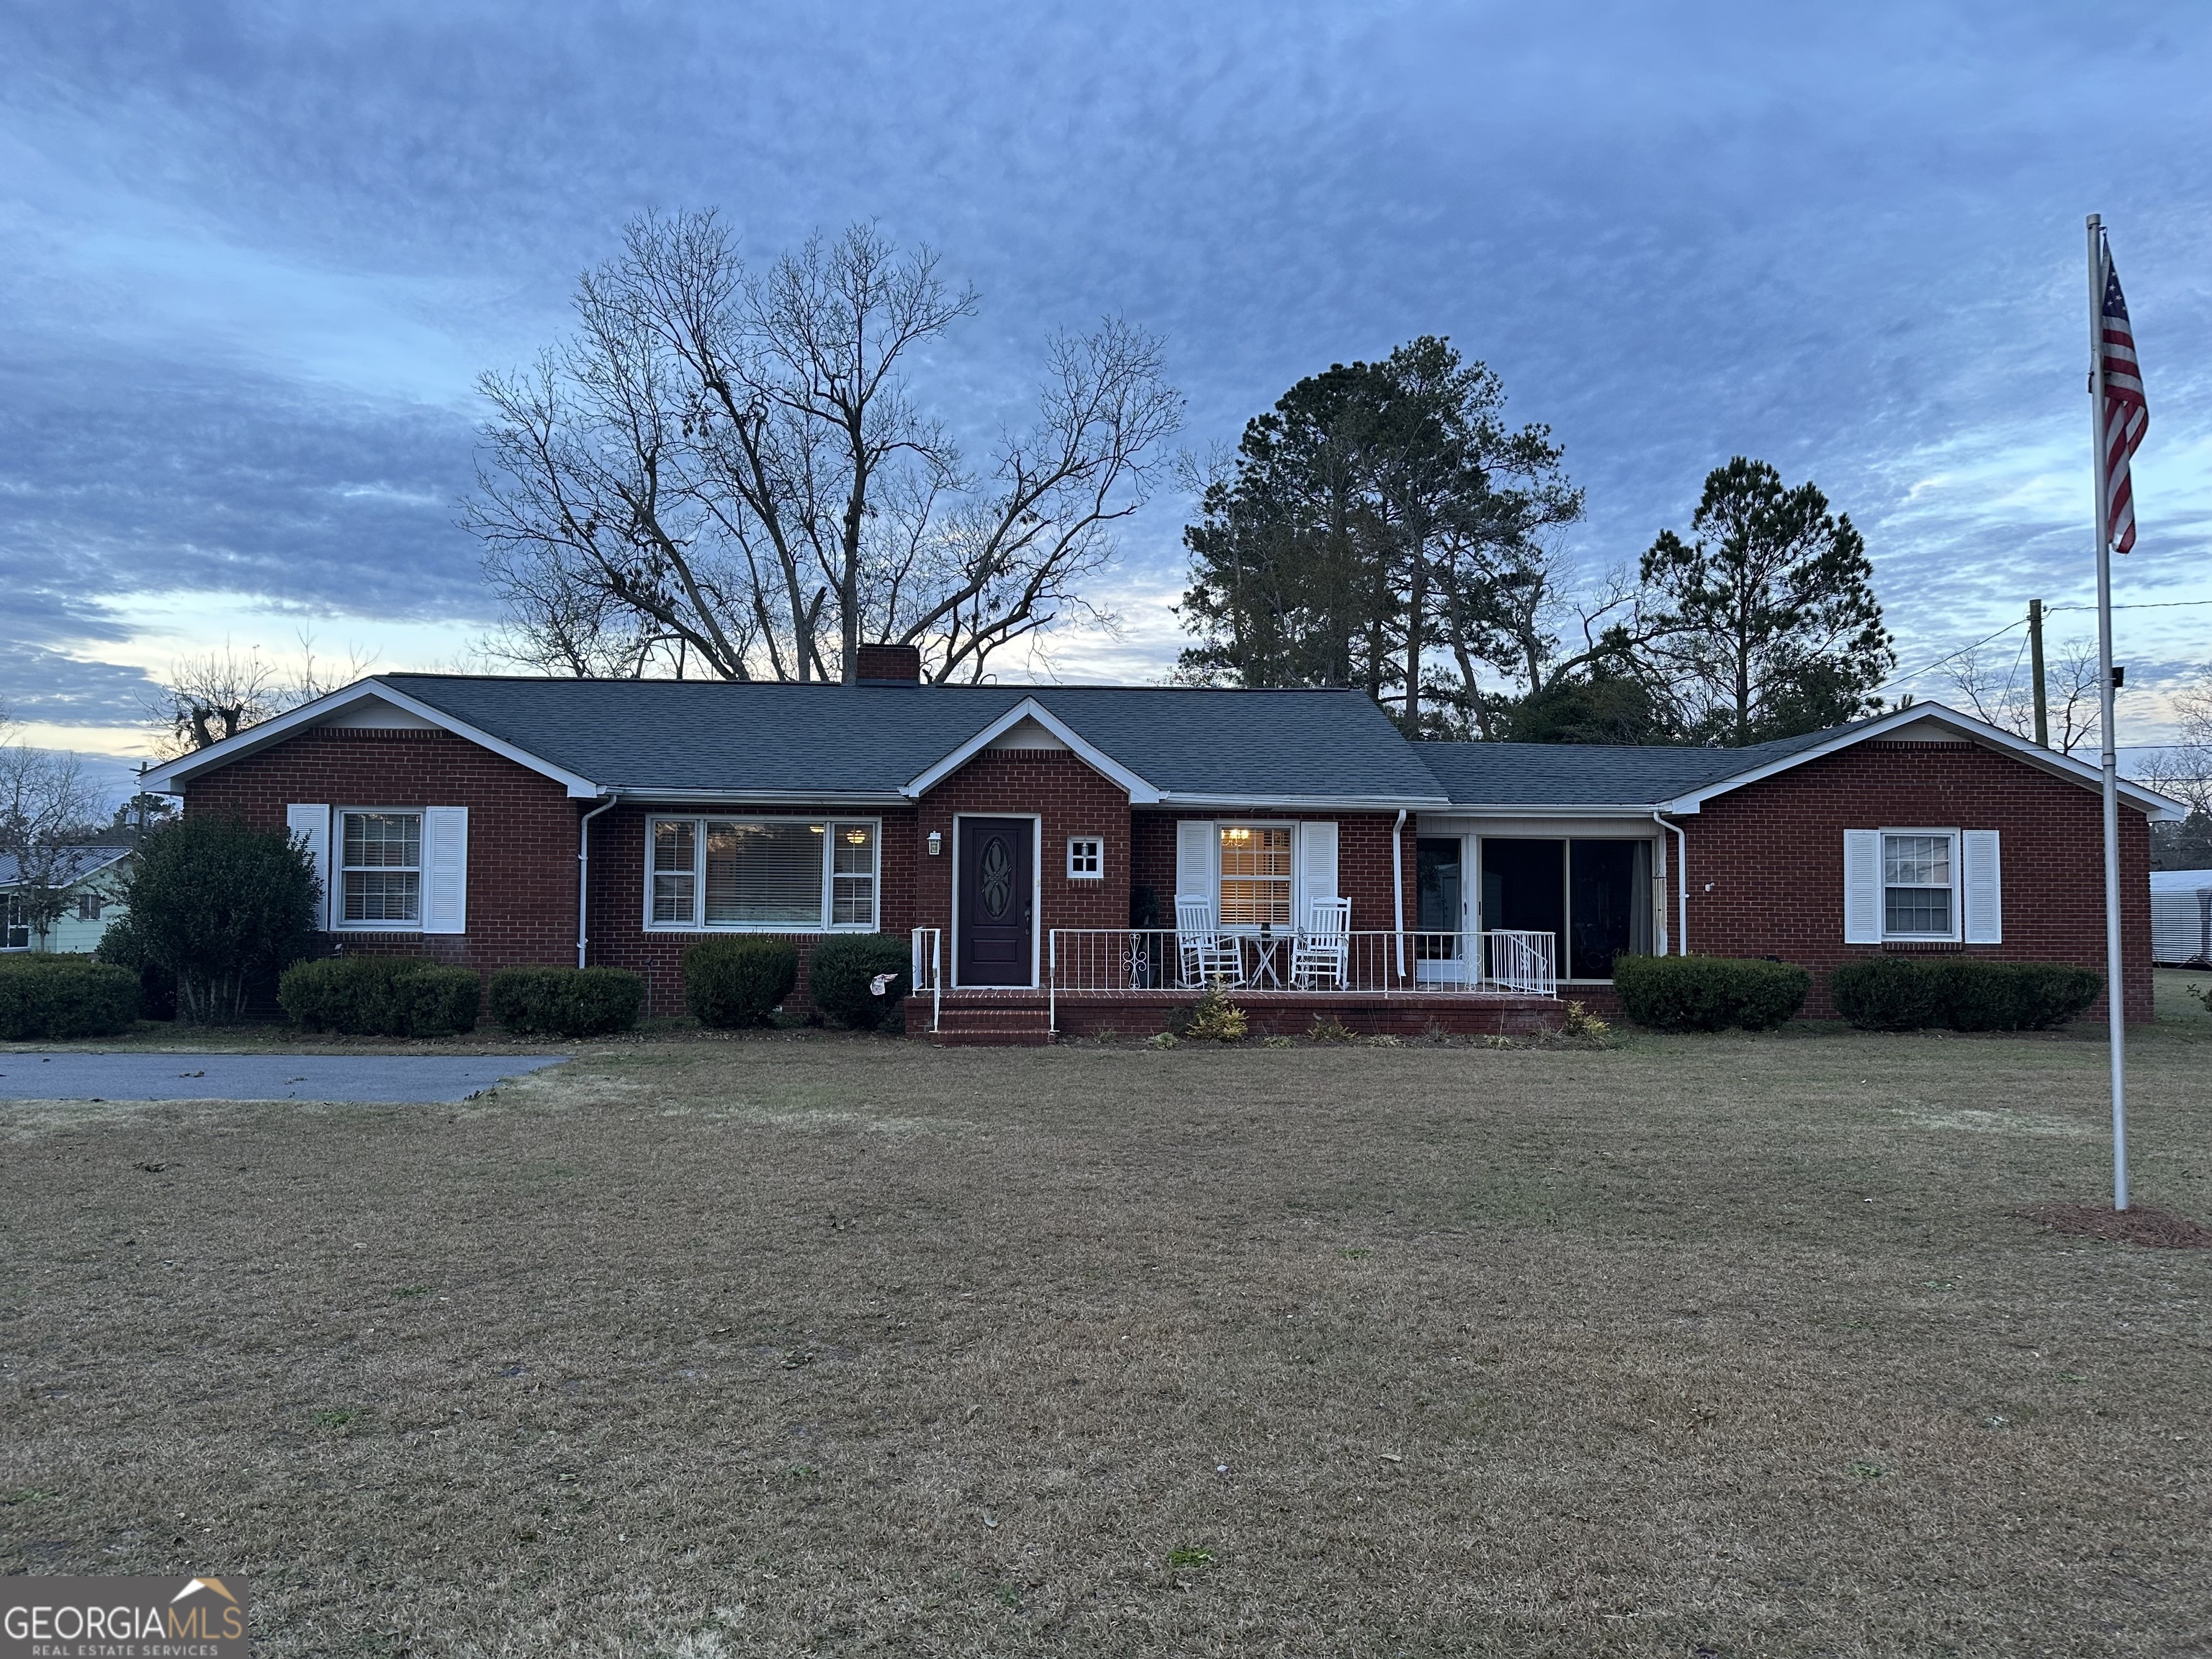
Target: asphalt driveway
[(397, 1079)]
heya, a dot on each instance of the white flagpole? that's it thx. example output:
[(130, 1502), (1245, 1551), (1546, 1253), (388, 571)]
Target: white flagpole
[(2115, 999)]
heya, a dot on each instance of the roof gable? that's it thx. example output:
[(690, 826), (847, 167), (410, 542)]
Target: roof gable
[(372, 702)]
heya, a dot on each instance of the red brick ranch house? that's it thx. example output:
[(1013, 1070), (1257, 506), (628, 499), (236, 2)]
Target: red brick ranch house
[(1077, 859)]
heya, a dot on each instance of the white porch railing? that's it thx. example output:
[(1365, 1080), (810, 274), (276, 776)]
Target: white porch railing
[(1124, 961), (929, 971)]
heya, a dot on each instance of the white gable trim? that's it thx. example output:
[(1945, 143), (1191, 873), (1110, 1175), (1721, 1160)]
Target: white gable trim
[(169, 777), (2155, 807), (1140, 792)]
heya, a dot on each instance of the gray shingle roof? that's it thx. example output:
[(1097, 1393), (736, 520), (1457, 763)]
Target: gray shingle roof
[(77, 863), (668, 736), (1591, 774)]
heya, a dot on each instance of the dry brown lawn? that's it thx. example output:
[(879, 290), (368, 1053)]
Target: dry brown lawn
[(1727, 1346)]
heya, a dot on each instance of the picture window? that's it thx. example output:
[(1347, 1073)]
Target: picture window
[(771, 875)]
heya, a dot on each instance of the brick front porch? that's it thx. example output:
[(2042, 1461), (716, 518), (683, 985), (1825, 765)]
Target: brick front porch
[(1028, 1017)]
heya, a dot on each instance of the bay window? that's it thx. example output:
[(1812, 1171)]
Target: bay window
[(766, 875)]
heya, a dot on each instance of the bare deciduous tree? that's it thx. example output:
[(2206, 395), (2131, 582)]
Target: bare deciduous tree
[(2003, 693), (48, 807), (208, 698), (729, 470)]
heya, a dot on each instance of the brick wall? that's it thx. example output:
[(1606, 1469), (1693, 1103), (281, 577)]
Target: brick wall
[(1766, 862), (621, 940), (1363, 860), (522, 830), (1073, 801)]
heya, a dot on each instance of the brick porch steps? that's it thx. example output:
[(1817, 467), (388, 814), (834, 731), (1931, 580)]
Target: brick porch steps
[(985, 1019)]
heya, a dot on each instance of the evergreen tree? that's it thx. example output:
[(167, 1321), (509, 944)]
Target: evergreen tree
[(1764, 625), (1367, 533)]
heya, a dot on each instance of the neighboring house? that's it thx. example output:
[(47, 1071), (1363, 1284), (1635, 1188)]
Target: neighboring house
[(95, 876), (1077, 857), (2181, 917)]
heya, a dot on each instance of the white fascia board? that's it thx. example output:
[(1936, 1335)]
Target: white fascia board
[(1140, 792), (1636, 809), (2153, 806), (1304, 803), (660, 797), (168, 778)]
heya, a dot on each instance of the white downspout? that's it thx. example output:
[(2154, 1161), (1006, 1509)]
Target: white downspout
[(584, 876), (1398, 885), (1681, 884)]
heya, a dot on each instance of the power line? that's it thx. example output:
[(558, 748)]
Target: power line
[(2014, 673), (2147, 604), (1899, 679)]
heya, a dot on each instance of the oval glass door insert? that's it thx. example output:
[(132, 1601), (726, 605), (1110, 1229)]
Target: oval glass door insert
[(996, 876)]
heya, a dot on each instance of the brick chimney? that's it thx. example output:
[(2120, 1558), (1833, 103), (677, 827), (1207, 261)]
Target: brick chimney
[(889, 665)]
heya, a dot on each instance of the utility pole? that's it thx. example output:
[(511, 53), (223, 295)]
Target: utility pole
[(2035, 666)]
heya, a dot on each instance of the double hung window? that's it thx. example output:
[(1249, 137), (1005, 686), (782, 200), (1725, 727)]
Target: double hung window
[(1919, 885), (380, 870), (784, 875), (1256, 875)]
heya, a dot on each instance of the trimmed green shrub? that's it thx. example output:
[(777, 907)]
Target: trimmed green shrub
[(736, 982), (1709, 993), (1967, 993), (380, 996), (51, 998), (1976, 995), (2050, 992), (1888, 994), (222, 907), (842, 973), (569, 1002)]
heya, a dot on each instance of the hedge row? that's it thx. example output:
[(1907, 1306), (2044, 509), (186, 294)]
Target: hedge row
[(1908, 994), (46, 998), (1709, 993), (1886, 993), (380, 996)]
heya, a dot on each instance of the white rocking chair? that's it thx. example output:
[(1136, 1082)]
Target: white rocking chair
[(1208, 955), (1321, 955)]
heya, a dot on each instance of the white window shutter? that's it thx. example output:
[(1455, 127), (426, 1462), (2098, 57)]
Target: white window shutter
[(1316, 866), (445, 869), (1984, 887), (1861, 886), (1196, 847), (313, 825)]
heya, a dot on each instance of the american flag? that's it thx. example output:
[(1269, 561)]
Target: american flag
[(2125, 416)]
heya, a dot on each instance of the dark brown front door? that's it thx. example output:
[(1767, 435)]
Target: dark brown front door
[(997, 903)]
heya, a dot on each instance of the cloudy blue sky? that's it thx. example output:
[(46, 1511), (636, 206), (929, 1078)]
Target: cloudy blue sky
[(256, 255)]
